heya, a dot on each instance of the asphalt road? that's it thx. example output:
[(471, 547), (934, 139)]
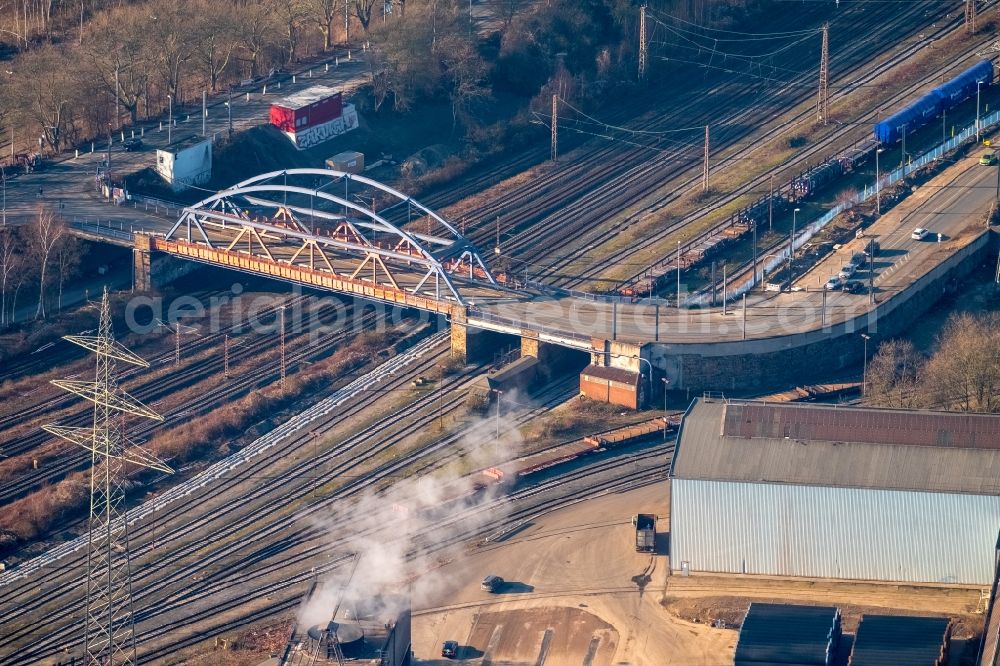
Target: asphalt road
[(952, 204), (70, 185)]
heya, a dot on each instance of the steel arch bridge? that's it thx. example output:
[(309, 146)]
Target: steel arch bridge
[(321, 227)]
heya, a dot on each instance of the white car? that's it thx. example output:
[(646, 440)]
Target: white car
[(833, 283), (919, 233), (847, 272)]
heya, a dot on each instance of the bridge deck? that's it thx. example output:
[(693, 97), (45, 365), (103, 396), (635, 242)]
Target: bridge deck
[(953, 203)]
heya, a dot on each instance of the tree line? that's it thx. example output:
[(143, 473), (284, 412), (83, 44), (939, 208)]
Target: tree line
[(963, 373), (36, 259), (86, 67)]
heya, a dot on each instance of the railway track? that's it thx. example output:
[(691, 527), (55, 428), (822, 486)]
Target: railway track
[(56, 399), (544, 195), (823, 148), (251, 468), (582, 176), (528, 503), (275, 578), (544, 221), (202, 563), (689, 180), (261, 374), (176, 507)]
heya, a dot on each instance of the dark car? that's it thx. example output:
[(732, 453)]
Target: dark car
[(492, 584), (449, 649), (855, 287), (132, 145)]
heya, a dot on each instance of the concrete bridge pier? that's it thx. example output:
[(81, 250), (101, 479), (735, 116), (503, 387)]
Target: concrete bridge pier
[(151, 269), (552, 358), (474, 344)]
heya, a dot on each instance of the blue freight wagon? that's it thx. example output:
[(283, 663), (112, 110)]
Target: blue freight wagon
[(943, 98), (908, 119), (964, 86)]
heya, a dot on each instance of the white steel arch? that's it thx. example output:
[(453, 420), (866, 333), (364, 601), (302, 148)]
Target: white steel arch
[(291, 212)]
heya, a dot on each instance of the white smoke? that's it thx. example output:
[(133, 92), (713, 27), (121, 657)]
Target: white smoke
[(403, 534)]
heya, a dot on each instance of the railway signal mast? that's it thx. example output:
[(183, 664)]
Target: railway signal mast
[(555, 128), (643, 44), (970, 16), (110, 628), (704, 166), (823, 102), (281, 330)]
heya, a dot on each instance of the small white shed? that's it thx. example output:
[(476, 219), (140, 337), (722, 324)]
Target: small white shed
[(186, 162)]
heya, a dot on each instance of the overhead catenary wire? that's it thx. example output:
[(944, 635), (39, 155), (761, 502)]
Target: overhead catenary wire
[(670, 17), (712, 48)]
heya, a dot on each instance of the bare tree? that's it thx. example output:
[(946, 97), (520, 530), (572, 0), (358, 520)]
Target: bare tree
[(214, 40), (464, 72), (46, 232), (255, 27), (893, 375), (506, 10), (323, 13), (118, 51), (170, 43), (11, 259), (47, 89), (378, 69), (964, 372), (292, 14), (363, 10)]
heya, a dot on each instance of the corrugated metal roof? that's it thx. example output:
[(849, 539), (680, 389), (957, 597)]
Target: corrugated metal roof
[(788, 634), (890, 640), (989, 650), (843, 447), (824, 532), (869, 426)]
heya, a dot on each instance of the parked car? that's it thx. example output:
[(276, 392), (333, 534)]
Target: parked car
[(846, 271), (492, 583), (919, 233), (133, 144), (833, 283), (988, 159), (855, 287), (859, 259), (449, 649)]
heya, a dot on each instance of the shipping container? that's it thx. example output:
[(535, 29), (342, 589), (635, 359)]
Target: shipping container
[(308, 108), (350, 161)]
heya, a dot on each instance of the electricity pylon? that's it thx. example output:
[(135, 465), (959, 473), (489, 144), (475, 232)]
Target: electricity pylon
[(823, 101), (110, 629)]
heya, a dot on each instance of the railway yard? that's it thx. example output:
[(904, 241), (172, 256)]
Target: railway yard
[(333, 424)]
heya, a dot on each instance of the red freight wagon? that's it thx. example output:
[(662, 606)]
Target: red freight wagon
[(308, 108)]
